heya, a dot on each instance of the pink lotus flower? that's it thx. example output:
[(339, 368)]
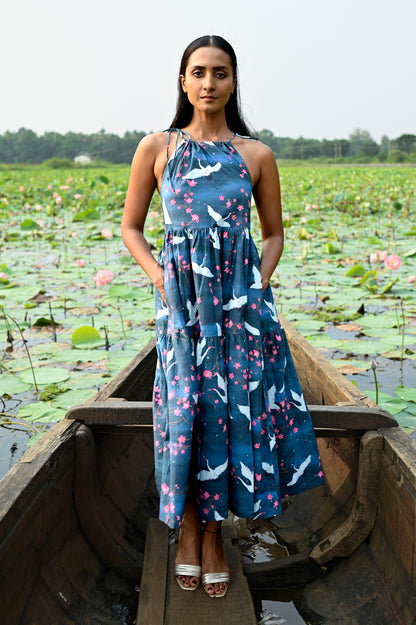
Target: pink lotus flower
[(392, 262), (81, 262), (308, 207), (103, 276), (58, 199), (64, 187), (106, 233), (50, 187), (68, 180), (378, 256), (3, 276), (77, 196), (74, 234), (411, 279), (153, 214), (40, 223), (21, 188)]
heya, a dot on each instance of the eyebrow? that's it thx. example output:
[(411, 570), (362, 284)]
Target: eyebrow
[(215, 68)]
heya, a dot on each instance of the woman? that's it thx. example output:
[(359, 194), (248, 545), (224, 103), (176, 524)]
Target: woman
[(231, 427)]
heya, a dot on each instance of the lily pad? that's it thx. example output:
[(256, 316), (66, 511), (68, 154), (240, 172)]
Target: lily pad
[(406, 393), (40, 413), (71, 398), (11, 385), (44, 375), (362, 365), (394, 405), (86, 336)]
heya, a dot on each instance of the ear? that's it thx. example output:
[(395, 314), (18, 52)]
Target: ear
[(183, 83)]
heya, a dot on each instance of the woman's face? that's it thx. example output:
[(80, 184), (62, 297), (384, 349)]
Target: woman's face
[(208, 79)]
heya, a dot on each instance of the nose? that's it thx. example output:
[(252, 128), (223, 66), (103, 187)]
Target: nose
[(209, 82)]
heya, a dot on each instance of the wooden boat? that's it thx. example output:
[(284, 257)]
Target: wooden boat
[(74, 511)]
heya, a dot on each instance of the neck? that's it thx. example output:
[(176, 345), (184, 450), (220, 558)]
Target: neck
[(205, 127)]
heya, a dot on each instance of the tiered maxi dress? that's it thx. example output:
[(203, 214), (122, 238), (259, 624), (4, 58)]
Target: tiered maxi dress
[(226, 392)]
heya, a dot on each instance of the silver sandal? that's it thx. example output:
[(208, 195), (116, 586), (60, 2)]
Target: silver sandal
[(187, 569), (216, 578)]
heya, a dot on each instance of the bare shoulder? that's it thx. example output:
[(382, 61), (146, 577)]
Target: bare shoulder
[(152, 144), (258, 156)]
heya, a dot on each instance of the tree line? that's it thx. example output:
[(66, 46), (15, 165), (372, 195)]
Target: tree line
[(25, 146)]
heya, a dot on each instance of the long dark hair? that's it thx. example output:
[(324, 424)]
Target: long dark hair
[(185, 110)]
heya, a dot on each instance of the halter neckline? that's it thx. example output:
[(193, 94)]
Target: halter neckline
[(180, 131)]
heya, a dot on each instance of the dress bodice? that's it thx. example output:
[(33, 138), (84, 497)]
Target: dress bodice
[(205, 184)]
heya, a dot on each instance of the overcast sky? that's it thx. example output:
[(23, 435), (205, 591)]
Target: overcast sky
[(311, 68)]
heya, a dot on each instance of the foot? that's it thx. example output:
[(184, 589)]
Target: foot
[(213, 558), (189, 547)]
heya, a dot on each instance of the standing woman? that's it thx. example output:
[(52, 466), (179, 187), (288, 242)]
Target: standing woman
[(231, 429)]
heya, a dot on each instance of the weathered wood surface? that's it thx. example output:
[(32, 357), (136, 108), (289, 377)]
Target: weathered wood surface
[(179, 607), (152, 596), (355, 529), (353, 593), (102, 521), (342, 417), (34, 496)]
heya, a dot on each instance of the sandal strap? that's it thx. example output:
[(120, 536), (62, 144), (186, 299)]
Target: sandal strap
[(188, 569), (211, 532), (215, 578)]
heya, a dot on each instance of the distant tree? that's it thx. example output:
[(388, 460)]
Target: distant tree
[(50, 145), (406, 143), (129, 144), (385, 144), (7, 152), (26, 146), (362, 144)]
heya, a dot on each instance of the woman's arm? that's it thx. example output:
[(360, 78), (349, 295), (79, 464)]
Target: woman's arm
[(267, 197), (141, 187)]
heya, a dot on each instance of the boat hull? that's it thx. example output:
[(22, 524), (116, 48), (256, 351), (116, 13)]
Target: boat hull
[(74, 512)]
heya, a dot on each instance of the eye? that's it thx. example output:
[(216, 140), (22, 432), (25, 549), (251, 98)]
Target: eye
[(221, 75), (197, 73)]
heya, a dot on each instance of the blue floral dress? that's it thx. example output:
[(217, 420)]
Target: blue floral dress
[(226, 390)]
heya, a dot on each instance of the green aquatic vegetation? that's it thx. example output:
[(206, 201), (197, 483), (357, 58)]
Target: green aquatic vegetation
[(63, 267)]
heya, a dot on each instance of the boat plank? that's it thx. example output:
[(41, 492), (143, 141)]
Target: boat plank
[(165, 603), (393, 576), (398, 511), (151, 609), (236, 608), (343, 417)]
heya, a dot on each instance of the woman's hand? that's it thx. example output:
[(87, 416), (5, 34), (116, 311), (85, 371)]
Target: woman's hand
[(264, 280), (157, 276)]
